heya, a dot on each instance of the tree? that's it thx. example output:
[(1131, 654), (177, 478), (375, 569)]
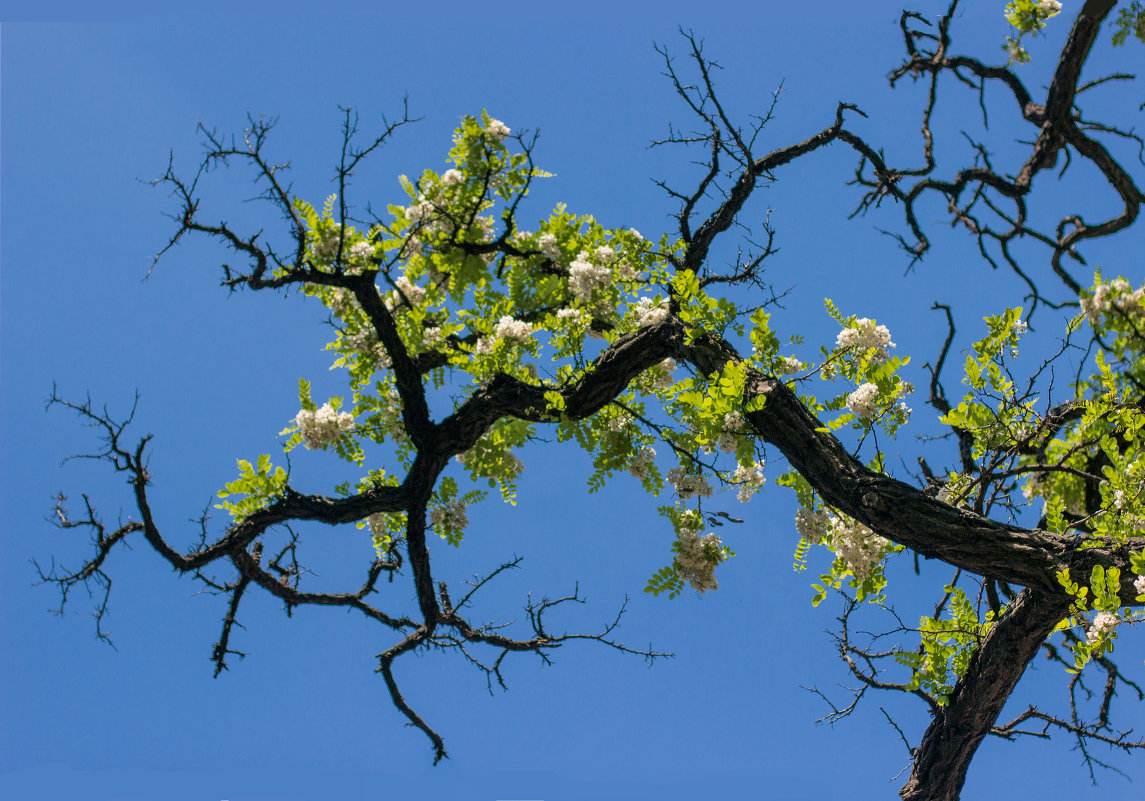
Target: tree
[(450, 296)]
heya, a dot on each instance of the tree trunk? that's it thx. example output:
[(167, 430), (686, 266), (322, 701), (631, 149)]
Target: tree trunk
[(941, 760)]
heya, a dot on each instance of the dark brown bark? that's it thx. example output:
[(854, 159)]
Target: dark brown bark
[(902, 513), (943, 756)]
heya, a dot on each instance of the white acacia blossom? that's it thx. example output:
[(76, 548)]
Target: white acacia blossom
[(859, 547), (407, 290), (864, 401), (584, 276), (812, 525), (342, 301), (1049, 7), (361, 254), (576, 317), (450, 515), (727, 441), (1103, 625), (364, 342), (788, 365), (497, 130), (451, 177), (513, 330), (697, 557), (750, 480), (650, 312), (1139, 585), (325, 248), (1117, 295), (323, 427), (863, 335), (688, 484), (549, 246), (641, 462), (378, 525)]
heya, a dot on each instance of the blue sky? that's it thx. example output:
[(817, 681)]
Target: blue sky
[(92, 109)]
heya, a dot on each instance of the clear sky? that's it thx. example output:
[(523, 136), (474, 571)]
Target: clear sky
[(91, 111)]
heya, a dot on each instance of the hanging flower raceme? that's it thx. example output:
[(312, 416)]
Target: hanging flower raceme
[(689, 484), (856, 545), (513, 330), (1103, 625), (450, 516), (642, 462), (697, 558), (863, 336), (1115, 296), (584, 277), (750, 480), (864, 401), (321, 428)]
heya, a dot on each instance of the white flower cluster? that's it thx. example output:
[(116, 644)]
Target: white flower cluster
[(1117, 294), (365, 343), (952, 493), (814, 526), (362, 252), (620, 423), (641, 462), (322, 427), (904, 411), (513, 330), (788, 365), (549, 246), (325, 248), (497, 130), (750, 480), (864, 335), (1139, 585), (433, 336), (656, 377), (421, 212), (858, 546), (649, 312), (852, 542), (687, 484), (578, 317), (697, 557), (864, 401), (1049, 7), (1103, 625), (451, 177), (584, 276), (450, 515), (391, 418), (408, 291), (498, 464), (341, 301), (727, 440)]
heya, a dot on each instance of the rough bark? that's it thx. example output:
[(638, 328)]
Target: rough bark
[(943, 756)]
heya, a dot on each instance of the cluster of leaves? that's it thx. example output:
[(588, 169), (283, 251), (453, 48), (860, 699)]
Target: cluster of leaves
[(1027, 17), (946, 646), (257, 485), (1084, 457)]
